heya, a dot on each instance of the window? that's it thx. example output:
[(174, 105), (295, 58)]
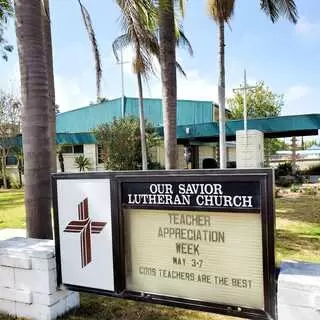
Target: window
[(78, 148), (101, 154), (11, 160), (66, 149)]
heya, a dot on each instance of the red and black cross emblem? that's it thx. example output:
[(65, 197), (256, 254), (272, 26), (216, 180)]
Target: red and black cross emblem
[(86, 227)]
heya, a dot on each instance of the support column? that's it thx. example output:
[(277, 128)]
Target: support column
[(249, 149)]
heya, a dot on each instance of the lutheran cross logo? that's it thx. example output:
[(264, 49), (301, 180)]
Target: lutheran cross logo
[(86, 227)]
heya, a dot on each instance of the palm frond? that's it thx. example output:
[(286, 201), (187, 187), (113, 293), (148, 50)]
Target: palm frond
[(268, 6), (183, 42), (93, 40), (221, 10), (121, 42), (275, 8), (6, 10), (181, 6), (138, 22), (180, 69)]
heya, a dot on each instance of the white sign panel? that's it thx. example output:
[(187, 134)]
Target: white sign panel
[(85, 233), (216, 255)]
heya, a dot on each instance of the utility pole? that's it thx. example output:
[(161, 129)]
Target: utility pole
[(245, 111), (121, 62)]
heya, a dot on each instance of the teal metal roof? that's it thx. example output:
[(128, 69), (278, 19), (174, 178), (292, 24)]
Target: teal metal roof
[(285, 126), (87, 118)]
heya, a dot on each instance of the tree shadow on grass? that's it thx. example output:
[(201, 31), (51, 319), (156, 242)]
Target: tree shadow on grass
[(303, 208), (6, 205), (95, 307), (301, 244)]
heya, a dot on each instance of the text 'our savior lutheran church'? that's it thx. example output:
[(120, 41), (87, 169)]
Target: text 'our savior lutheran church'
[(207, 195)]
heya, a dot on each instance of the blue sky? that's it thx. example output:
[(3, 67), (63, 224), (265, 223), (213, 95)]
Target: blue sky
[(285, 56)]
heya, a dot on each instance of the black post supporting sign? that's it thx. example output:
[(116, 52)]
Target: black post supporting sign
[(200, 239)]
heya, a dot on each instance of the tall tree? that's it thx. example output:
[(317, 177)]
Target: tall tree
[(49, 61), (139, 22), (168, 33), (94, 43), (221, 11), (167, 36), (35, 117), (136, 16)]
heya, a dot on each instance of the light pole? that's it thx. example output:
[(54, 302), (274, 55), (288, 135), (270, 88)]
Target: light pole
[(121, 62)]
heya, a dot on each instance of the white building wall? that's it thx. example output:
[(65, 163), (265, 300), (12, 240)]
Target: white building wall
[(90, 152)]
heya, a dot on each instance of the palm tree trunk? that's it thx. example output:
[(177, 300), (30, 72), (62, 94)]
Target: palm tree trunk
[(169, 80), (49, 60), (35, 115), (142, 125), (222, 96)]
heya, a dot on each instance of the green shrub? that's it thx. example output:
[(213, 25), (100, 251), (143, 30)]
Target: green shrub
[(295, 188), (284, 181), (14, 182), (155, 166), (121, 141), (284, 169)]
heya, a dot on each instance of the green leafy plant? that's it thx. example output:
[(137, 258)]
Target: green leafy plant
[(121, 143), (15, 182), (284, 169), (295, 188), (82, 163)]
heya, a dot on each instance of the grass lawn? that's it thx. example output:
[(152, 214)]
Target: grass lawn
[(12, 212), (297, 238), (298, 228)]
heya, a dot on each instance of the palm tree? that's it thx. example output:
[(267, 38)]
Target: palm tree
[(139, 22), (49, 61), (35, 123), (93, 40), (167, 37), (221, 11), (136, 18), (82, 163)]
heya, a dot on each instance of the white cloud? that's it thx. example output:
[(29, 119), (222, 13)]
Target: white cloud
[(297, 92), (307, 28), (69, 94)]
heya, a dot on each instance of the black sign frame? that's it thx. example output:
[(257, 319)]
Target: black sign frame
[(265, 179)]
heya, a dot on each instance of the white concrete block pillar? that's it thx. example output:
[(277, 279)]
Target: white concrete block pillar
[(28, 276), (249, 149), (299, 291)]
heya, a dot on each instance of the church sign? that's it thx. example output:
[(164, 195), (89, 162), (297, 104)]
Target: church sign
[(200, 239)]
